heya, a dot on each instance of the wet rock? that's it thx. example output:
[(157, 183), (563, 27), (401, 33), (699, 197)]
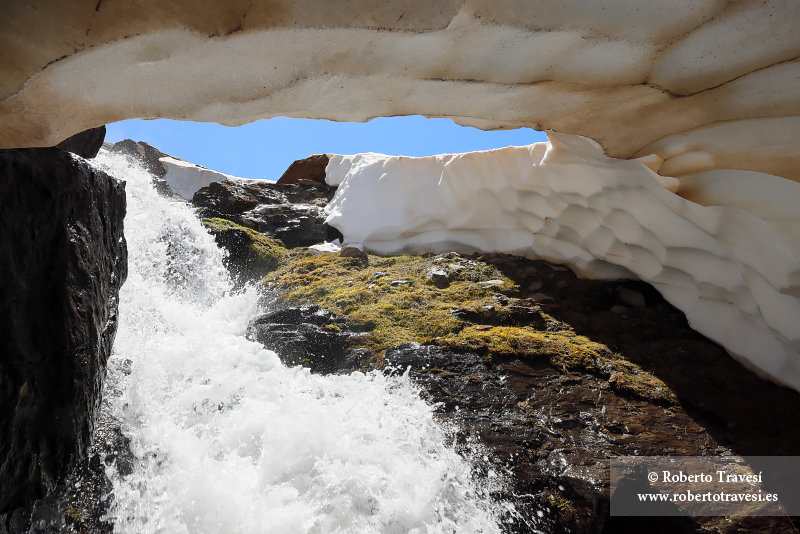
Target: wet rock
[(293, 213), (147, 157), (62, 263), (86, 144), (310, 169), (308, 336), (551, 397)]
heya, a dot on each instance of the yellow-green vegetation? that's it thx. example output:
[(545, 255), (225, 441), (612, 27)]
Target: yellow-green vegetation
[(393, 314), (416, 310), (566, 351), (74, 514), (561, 505), (251, 255)]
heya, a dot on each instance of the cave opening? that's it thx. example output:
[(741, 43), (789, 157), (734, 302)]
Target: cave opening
[(264, 149)]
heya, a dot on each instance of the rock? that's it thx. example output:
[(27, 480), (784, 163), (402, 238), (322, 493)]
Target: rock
[(536, 285), (439, 276), (629, 297), (548, 402), (501, 299), (618, 309), (397, 283), (491, 283), (250, 255), (291, 213), (147, 156), (310, 169), (541, 297), (234, 197), (353, 252), (519, 312), (308, 336), (63, 261), (86, 144)]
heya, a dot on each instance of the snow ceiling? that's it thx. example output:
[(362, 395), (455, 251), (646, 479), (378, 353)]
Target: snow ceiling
[(704, 93)]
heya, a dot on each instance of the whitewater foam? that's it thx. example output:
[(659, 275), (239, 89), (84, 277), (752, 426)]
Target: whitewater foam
[(228, 439)]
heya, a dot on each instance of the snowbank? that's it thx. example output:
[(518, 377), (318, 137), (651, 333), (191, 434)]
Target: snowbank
[(735, 275), (186, 178)]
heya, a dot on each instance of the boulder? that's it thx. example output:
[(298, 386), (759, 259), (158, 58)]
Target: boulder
[(250, 255), (292, 213), (86, 144), (309, 336), (142, 153), (310, 169), (63, 259)]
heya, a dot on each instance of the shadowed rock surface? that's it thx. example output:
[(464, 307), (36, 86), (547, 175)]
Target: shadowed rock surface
[(63, 261), (292, 213), (142, 153), (86, 144), (309, 336)]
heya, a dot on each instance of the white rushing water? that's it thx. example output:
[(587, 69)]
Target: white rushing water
[(229, 440)]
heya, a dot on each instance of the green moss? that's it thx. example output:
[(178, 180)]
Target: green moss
[(419, 311), (392, 314), (251, 255), (561, 505), (74, 515), (565, 351)]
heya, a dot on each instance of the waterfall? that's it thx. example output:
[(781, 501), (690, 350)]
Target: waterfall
[(229, 440)]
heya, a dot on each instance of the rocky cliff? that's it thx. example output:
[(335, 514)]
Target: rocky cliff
[(63, 261)]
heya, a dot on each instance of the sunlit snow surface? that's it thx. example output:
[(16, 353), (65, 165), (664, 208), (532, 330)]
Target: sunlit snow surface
[(228, 440), (732, 266)]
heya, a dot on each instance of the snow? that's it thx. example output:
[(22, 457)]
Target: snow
[(186, 178), (732, 269)]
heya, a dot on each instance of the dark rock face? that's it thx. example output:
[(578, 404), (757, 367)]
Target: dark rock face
[(307, 335), (63, 261), (85, 144), (311, 169), (293, 213), (145, 155)]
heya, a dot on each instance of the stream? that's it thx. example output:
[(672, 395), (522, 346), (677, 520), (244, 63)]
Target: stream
[(226, 439)]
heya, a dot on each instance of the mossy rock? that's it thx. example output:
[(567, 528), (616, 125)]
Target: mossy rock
[(416, 310), (392, 314), (251, 255)]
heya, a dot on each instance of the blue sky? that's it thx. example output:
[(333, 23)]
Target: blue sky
[(264, 149)]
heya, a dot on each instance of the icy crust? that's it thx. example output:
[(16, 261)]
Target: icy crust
[(735, 277), (186, 178)]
